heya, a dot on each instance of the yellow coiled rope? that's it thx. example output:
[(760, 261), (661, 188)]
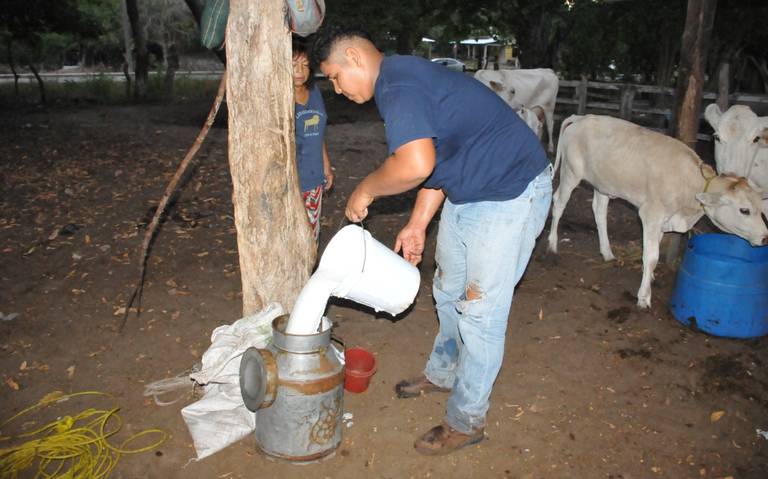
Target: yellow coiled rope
[(71, 447)]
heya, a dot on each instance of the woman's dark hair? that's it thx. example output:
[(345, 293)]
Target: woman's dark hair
[(300, 47), (327, 36)]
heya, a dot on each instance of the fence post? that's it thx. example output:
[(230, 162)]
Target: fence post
[(627, 98), (581, 92)]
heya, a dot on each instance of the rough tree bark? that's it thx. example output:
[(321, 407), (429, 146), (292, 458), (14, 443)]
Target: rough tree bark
[(140, 50), (274, 240), (699, 20)]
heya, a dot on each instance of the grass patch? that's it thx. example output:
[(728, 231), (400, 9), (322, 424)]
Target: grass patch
[(107, 90)]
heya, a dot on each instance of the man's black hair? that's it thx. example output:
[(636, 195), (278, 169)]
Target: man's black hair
[(328, 36), (300, 47)]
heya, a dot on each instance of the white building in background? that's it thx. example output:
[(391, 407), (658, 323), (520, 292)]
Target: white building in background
[(487, 51)]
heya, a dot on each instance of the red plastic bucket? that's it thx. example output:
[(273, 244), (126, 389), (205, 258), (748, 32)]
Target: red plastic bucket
[(359, 366)]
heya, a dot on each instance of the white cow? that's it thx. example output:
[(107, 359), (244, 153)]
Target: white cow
[(741, 144), (534, 118), (525, 88), (661, 176)]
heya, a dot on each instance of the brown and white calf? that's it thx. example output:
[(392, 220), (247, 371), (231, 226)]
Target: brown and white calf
[(659, 175), (534, 89)]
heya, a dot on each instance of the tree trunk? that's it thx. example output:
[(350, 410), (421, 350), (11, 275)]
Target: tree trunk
[(12, 64), (127, 74), (140, 49), (127, 48), (405, 41), (693, 60), (536, 51), (665, 63), (172, 60), (276, 247), (40, 84)]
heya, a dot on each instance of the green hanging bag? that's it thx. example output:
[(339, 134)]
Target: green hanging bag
[(304, 17), (213, 23)]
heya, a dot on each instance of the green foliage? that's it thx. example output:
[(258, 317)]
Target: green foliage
[(621, 39), (100, 30)]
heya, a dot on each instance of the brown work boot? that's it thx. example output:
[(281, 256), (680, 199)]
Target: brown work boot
[(444, 439), (410, 388)]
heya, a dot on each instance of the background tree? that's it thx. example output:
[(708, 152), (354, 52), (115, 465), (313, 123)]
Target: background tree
[(140, 51), (27, 22), (98, 31), (738, 47), (173, 22), (690, 84)]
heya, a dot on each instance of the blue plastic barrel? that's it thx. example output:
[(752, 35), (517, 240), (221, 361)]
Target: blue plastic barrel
[(722, 287)]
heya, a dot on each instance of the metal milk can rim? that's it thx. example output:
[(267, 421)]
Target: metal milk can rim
[(299, 343)]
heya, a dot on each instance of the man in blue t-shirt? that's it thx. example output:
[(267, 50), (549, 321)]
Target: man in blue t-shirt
[(462, 146)]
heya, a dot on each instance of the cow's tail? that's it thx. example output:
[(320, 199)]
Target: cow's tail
[(567, 122)]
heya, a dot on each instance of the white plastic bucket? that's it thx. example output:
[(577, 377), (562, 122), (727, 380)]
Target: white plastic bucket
[(355, 266)]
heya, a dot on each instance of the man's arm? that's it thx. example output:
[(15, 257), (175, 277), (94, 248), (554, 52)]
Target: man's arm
[(411, 164), (412, 237)]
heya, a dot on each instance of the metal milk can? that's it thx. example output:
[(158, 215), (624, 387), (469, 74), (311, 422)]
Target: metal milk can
[(296, 388)]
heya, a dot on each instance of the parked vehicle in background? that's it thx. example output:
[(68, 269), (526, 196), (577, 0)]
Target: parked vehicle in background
[(451, 64)]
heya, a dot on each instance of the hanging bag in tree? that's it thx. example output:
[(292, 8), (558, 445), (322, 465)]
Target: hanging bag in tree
[(213, 23), (305, 16)]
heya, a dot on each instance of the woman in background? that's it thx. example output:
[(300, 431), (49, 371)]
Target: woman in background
[(314, 167)]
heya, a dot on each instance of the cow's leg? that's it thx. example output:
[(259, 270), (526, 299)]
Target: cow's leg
[(651, 238), (568, 182), (600, 209)]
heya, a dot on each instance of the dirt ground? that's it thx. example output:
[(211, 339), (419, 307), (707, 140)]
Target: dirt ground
[(591, 387)]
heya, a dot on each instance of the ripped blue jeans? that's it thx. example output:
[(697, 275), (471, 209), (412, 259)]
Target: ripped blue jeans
[(482, 251)]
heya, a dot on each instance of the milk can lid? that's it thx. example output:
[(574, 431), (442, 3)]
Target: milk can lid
[(258, 378)]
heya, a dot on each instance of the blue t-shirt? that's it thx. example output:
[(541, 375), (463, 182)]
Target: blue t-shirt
[(485, 152), (310, 132)]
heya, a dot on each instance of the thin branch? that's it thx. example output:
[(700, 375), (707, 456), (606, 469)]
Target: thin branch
[(169, 190)]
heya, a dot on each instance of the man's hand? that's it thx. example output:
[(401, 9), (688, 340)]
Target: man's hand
[(411, 241), (357, 205)]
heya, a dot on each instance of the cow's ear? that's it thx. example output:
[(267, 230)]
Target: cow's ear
[(539, 112), (710, 199), (712, 113), (496, 86), (759, 135)]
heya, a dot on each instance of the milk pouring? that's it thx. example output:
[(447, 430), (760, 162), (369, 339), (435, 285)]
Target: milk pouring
[(296, 385), (357, 267)]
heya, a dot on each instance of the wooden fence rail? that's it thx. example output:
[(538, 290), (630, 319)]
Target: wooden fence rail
[(631, 100)]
